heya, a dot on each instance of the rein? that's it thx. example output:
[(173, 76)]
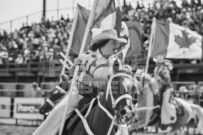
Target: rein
[(84, 118), (50, 102)]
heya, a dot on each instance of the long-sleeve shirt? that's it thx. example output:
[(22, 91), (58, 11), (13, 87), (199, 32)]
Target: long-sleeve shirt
[(96, 68)]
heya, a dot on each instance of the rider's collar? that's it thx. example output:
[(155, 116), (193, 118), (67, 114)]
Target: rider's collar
[(99, 54)]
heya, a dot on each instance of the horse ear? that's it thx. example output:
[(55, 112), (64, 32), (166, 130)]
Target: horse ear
[(115, 66)]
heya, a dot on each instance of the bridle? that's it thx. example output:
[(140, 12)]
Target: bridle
[(109, 90), (53, 103)]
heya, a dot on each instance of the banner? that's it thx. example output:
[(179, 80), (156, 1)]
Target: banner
[(28, 108), (5, 105)]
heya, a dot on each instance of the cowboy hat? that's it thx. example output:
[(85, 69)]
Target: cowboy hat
[(107, 34)]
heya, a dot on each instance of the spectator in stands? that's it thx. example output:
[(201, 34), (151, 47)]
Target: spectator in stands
[(36, 90), (197, 92), (19, 59), (26, 55), (56, 33), (3, 54)]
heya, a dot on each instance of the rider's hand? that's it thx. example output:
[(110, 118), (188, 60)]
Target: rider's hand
[(145, 76), (77, 62), (126, 69)]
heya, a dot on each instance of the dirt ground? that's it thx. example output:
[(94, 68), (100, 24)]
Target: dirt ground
[(16, 130), (26, 130)]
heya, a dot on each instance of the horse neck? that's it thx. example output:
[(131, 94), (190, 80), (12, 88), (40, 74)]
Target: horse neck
[(98, 117), (145, 95), (107, 103)]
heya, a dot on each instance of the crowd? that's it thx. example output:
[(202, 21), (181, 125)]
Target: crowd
[(43, 41), (38, 42)]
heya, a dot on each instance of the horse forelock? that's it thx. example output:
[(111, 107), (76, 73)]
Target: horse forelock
[(131, 85), (123, 78), (127, 84)]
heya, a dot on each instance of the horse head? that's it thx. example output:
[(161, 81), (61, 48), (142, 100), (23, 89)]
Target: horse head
[(120, 92), (56, 95)]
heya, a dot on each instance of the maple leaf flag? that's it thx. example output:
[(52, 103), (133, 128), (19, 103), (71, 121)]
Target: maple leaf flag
[(176, 42)]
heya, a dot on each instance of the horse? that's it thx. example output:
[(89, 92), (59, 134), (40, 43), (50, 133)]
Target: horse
[(106, 111), (55, 96), (148, 111), (58, 94)]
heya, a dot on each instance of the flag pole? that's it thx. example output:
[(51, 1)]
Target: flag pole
[(88, 27), (150, 44), (119, 4), (153, 29), (70, 41)]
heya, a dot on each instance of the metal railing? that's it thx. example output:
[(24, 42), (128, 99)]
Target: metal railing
[(35, 17)]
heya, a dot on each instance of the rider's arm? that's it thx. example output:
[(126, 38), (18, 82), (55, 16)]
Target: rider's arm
[(100, 68), (103, 72)]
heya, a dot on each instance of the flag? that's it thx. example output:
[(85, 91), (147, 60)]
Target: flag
[(82, 18), (104, 9), (111, 21), (134, 31), (176, 42)]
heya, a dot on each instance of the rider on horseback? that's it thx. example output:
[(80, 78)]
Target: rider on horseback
[(168, 110), (97, 63)]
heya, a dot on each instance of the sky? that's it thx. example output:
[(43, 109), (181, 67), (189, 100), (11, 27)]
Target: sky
[(22, 11)]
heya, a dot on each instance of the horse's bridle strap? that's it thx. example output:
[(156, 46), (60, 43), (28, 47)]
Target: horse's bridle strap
[(111, 127), (90, 107), (125, 96), (84, 121), (105, 110), (50, 102), (109, 114)]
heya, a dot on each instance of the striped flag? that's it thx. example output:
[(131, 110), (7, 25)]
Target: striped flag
[(176, 42)]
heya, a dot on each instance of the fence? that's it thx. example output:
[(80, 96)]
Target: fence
[(21, 111), (19, 108)]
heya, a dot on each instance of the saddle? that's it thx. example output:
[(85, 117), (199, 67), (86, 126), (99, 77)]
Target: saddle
[(178, 106)]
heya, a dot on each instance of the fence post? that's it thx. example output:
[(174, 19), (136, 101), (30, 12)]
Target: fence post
[(11, 25), (27, 19), (57, 9)]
